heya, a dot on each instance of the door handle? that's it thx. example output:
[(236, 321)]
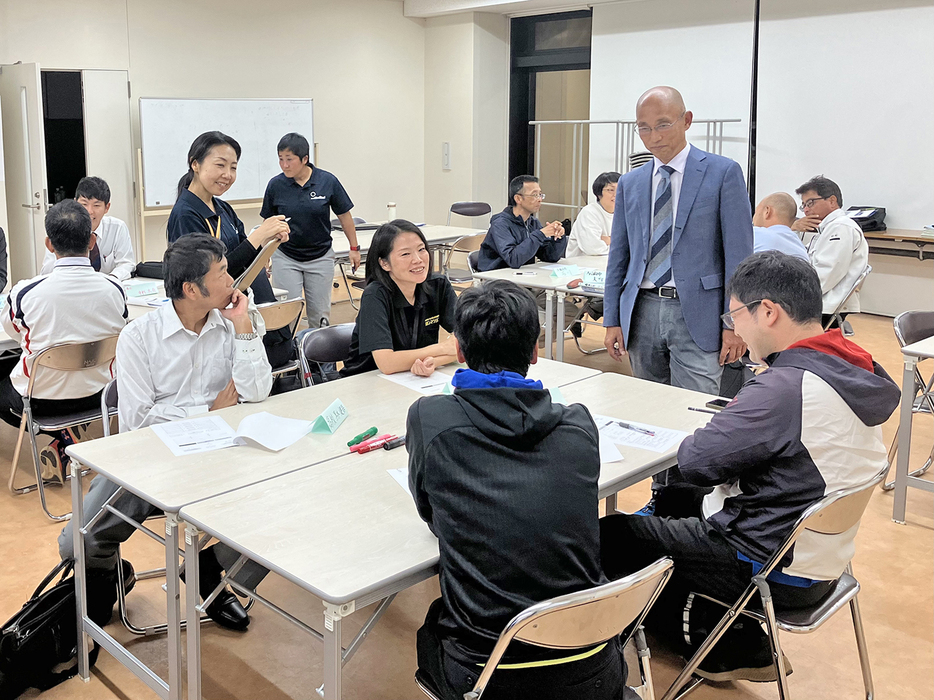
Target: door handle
[(31, 206)]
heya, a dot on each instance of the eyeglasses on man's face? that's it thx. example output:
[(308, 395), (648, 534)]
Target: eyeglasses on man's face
[(810, 203), (727, 318), (660, 128), (534, 195)]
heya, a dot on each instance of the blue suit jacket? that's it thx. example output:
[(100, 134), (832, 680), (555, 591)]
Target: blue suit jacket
[(712, 234)]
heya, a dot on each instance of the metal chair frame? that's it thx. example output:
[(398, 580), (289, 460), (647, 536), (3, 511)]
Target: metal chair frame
[(311, 336), (282, 314), (341, 262), (857, 285), (580, 319), (252, 271), (923, 402), (835, 513), (585, 619), (64, 357), (466, 245)]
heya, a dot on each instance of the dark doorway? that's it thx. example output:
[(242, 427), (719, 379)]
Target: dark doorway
[(63, 110), (540, 44)]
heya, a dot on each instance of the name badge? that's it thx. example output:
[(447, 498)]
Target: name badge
[(594, 278), (565, 271), (331, 418)]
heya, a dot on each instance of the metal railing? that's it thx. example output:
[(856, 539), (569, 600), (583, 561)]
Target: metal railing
[(626, 140)]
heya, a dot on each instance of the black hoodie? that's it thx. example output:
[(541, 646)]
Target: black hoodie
[(507, 481)]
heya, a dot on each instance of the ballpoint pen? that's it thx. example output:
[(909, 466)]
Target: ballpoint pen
[(634, 428)]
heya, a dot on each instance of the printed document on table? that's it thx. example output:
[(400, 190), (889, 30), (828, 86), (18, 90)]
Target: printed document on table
[(188, 437), (272, 432), (662, 440), (424, 385)]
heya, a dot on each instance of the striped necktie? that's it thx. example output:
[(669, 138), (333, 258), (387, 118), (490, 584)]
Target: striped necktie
[(659, 270)]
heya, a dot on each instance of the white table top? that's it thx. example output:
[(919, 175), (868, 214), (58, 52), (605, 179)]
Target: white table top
[(344, 529), (540, 277), (435, 235), (142, 463), (550, 373), (923, 348)]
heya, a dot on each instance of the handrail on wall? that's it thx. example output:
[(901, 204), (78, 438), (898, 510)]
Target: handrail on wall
[(625, 146)]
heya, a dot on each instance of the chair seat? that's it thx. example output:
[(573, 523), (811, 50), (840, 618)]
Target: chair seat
[(69, 419), (359, 284), (426, 685), (805, 620), (292, 366), (456, 276)]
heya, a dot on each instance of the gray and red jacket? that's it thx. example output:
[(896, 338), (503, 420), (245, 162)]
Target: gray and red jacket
[(807, 426)]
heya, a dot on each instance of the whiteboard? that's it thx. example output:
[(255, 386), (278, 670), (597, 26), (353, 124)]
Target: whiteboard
[(168, 127)]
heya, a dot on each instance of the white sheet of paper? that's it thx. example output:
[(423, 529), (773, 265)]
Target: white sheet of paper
[(608, 451), (662, 441), (272, 432), (401, 475), (187, 437), (424, 385)]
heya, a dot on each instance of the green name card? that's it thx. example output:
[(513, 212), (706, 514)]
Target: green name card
[(331, 418), (557, 396), (565, 271), (594, 278)]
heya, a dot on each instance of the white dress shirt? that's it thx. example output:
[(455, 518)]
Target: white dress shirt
[(678, 163), (839, 253), (592, 222), (57, 308), (166, 372), (113, 241)]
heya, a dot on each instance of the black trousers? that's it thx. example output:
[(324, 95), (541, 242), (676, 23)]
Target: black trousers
[(705, 562), (599, 677), (826, 317), (11, 405)]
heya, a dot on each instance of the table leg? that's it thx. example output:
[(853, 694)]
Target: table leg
[(81, 590), (559, 329), (904, 440), (172, 611), (333, 651), (549, 321), (192, 616)]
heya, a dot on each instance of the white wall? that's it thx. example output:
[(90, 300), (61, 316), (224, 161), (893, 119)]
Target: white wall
[(361, 60), (843, 94)]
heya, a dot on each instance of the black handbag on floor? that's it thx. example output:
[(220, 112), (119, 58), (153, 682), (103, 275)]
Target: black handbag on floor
[(38, 645)]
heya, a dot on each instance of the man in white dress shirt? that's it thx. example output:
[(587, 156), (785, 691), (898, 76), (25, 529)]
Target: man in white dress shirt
[(197, 354), (838, 251), (51, 309), (112, 253), (771, 226)]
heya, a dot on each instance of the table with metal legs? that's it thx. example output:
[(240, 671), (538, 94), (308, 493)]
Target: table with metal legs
[(923, 349)]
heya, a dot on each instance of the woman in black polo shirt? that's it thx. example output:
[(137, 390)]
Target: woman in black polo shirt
[(212, 170), (402, 307)]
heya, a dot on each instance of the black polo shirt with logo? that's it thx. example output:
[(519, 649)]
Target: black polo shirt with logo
[(309, 206), (388, 322)]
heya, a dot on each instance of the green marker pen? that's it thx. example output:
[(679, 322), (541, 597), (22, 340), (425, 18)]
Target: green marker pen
[(363, 436)]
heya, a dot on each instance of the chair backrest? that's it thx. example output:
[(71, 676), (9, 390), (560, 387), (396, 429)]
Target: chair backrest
[(582, 619), (109, 398), (473, 259), (853, 290), (464, 245), (328, 344), (279, 314), (834, 514), (912, 326), (469, 209), (73, 357), (244, 281)]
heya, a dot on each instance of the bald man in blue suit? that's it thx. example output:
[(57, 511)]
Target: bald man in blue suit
[(682, 225)]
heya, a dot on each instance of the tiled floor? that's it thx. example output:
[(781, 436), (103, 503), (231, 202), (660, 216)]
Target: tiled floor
[(275, 661)]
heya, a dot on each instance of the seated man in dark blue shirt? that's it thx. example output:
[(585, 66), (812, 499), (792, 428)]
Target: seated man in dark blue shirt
[(507, 480)]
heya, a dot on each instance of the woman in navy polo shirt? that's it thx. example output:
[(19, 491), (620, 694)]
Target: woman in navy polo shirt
[(307, 195), (402, 307), (212, 170)]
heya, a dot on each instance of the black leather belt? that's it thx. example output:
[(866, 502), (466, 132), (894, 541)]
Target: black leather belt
[(663, 292)]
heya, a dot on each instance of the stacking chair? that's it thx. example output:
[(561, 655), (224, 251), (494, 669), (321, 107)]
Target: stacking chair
[(910, 327), (66, 357), (473, 259), (322, 345), (580, 319), (583, 619), (834, 514), (358, 281), (464, 245), (259, 263), (835, 316), (283, 314), (468, 209)]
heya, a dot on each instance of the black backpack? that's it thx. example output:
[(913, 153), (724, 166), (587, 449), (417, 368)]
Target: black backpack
[(41, 637)]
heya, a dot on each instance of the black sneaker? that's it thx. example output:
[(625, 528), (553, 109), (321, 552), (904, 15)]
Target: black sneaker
[(722, 670)]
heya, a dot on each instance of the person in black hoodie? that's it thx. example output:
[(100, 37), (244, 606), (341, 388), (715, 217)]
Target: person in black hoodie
[(507, 481), (806, 427)]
